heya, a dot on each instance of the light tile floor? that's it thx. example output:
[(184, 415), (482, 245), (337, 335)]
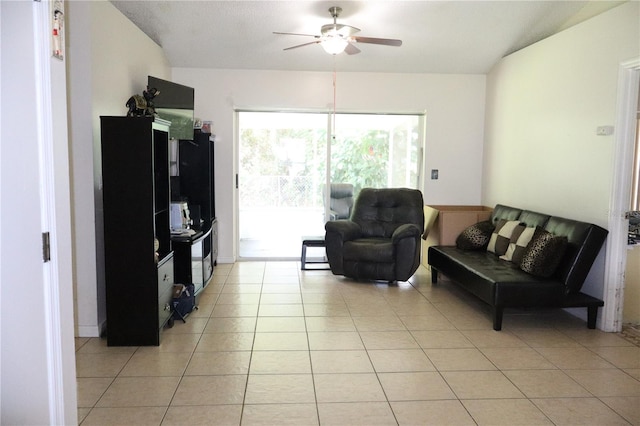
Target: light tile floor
[(273, 345)]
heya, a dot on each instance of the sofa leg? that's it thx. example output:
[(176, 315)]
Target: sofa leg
[(497, 318), (434, 275), (592, 316)]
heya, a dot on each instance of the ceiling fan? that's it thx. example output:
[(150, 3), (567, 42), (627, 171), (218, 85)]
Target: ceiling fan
[(337, 38)]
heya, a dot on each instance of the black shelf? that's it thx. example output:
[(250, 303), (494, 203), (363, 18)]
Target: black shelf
[(196, 185), (135, 179), (196, 170), (192, 260)]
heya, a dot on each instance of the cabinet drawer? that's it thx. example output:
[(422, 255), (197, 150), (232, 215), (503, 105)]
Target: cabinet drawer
[(165, 290), (165, 276), (164, 307)]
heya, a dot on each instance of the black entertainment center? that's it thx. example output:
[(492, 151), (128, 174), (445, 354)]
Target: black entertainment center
[(196, 255), (147, 163)]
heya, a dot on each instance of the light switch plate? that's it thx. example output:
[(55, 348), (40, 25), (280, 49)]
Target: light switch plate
[(604, 130)]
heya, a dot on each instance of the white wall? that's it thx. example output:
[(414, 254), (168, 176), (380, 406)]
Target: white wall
[(543, 106), (109, 60), (454, 106)]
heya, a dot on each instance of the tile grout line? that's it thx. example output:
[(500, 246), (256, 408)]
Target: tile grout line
[(306, 329)]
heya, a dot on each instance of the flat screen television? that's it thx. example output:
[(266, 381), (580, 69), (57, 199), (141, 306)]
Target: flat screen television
[(174, 103)]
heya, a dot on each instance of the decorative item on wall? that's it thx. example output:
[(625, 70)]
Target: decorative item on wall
[(337, 38), (141, 106), (57, 29)]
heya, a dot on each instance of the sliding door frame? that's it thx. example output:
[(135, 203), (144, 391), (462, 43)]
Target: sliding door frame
[(330, 129)]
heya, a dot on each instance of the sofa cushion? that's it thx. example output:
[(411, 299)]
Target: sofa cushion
[(544, 253), (504, 212), (501, 236), (518, 245), (533, 219), (476, 236), (369, 250), (491, 279)]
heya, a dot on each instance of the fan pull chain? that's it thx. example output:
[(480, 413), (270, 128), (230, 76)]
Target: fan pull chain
[(333, 123)]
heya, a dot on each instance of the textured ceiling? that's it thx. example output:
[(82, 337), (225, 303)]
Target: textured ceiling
[(466, 37)]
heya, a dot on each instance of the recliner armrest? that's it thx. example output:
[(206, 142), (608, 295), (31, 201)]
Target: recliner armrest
[(347, 229), (407, 230)]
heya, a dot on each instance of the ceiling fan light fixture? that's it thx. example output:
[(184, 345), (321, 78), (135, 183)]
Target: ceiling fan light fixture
[(334, 45), (337, 38)]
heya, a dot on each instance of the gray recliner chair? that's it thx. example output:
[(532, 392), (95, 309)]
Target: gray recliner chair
[(340, 200), (381, 240)]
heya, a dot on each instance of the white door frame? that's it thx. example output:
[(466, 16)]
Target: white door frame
[(55, 202), (624, 137)]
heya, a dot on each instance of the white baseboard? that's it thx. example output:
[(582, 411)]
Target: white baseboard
[(90, 330)]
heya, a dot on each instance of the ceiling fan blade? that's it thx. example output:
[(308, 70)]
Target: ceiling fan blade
[(297, 34), (351, 49), (302, 45), (374, 40)]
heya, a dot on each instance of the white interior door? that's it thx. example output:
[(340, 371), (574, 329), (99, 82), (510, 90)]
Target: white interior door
[(37, 362)]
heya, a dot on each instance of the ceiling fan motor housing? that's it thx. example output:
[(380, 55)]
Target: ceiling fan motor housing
[(335, 12)]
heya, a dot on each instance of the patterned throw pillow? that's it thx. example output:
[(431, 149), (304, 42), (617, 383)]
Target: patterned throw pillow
[(475, 237), (501, 236), (520, 238), (544, 253)]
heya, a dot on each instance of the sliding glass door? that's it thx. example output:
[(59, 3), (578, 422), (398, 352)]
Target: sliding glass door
[(377, 150), (286, 160)]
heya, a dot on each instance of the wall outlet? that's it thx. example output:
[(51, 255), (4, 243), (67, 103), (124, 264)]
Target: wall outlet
[(434, 174), (604, 130)]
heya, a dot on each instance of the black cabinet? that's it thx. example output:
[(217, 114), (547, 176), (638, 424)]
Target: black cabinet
[(196, 174), (137, 242), (195, 184), (192, 259)]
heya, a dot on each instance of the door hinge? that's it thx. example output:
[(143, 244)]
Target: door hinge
[(46, 247)]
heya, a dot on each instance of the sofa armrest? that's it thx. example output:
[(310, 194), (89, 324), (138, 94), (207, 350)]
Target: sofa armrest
[(337, 232), (345, 229), (407, 230), (406, 240)]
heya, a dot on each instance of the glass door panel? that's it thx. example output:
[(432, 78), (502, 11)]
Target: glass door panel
[(377, 151), (282, 169)]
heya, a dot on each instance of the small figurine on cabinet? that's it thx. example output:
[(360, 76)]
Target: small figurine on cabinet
[(141, 106)]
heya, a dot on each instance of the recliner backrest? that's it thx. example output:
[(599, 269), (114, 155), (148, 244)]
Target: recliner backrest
[(340, 200), (380, 211)]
